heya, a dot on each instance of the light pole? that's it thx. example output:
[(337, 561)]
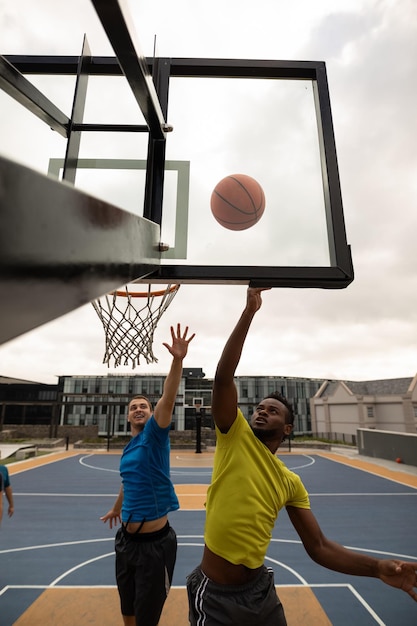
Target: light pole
[(198, 430), (110, 421)]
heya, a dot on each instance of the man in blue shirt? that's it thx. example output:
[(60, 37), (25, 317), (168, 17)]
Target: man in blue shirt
[(146, 545), (6, 487)]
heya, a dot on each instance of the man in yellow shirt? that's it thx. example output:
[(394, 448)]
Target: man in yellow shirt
[(249, 486)]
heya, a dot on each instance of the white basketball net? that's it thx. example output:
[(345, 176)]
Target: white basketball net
[(129, 320)]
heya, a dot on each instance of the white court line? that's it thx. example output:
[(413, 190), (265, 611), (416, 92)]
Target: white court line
[(181, 458), (7, 587), (113, 495), (369, 494), (348, 586), (313, 586), (56, 545), (192, 495), (100, 469), (356, 549), (366, 606), (273, 540), (66, 495), (79, 566), (44, 587), (352, 589), (30, 467), (289, 569), (303, 582), (192, 472), (297, 467)]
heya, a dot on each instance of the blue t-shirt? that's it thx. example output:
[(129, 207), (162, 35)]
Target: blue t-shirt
[(4, 477), (148, 492)]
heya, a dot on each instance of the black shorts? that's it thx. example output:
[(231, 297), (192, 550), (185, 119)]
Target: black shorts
[(255, 602), (144, 569)]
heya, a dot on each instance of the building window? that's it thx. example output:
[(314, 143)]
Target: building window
[(47, 395), (415, 410), (370, 411)]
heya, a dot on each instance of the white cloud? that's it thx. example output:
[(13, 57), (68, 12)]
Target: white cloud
[(368, 330)]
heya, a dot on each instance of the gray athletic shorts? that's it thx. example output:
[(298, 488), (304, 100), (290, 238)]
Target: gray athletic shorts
[(253, 603), (144, 569)]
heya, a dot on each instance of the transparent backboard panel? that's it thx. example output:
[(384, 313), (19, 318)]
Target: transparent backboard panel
[(25, 138), (118, 173), (266, 129), (102, 170)]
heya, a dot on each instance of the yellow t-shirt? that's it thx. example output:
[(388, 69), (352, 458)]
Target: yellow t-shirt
[(249, 487)]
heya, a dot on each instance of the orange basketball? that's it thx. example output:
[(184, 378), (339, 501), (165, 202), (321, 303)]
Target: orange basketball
[(237, 202)]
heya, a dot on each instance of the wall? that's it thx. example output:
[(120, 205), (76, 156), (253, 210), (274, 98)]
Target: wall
[(388, 445), (389, 414), (44, 432)]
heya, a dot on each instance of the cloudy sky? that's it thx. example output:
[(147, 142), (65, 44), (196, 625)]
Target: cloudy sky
[(366, 331)]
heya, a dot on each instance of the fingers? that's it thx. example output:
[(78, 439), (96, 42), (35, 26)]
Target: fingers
[(182, 336), (254, 297), (258, 289), (190, 338), (112, 518)]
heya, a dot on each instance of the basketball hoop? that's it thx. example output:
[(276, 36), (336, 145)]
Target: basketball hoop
[(129, 320)]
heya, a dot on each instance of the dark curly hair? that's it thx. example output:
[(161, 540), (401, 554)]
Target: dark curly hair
[(288, 406)]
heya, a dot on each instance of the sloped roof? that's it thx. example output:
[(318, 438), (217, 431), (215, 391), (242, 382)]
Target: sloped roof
[(6, 380), (390, 386)]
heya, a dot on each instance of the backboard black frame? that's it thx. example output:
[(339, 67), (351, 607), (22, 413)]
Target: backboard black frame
[(149, 80), (339, 274)]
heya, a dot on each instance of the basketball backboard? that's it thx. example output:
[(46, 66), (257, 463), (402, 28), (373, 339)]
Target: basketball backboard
[(155, 149)]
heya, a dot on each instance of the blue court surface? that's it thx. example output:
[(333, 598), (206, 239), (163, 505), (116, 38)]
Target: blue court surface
[(56, 539)]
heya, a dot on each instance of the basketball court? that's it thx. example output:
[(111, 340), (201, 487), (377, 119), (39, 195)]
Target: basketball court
[(118, 200), (58, 560)]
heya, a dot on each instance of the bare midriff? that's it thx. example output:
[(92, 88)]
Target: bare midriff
[(222, 572), (148, 527)]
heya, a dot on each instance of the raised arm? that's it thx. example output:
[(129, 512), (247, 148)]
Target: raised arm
[(224, 400), (178, 350), (334, 556)]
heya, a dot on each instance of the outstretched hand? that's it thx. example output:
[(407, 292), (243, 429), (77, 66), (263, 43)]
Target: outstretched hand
[(401, 575), (113, 517), (179, 347)]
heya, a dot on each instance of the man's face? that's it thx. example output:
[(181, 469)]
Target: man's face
[(269, 420), (139, 413)]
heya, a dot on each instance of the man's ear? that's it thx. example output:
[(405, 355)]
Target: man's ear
[(288, 428)]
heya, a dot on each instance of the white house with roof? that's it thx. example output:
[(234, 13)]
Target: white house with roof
[(344, 406)]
